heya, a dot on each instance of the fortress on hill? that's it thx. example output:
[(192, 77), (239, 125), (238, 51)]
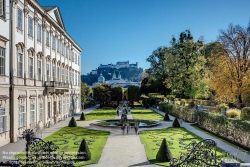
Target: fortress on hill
[(111, 73)]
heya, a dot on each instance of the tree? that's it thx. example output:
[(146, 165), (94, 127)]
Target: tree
[(102, 94), (133, 94), (186, 66), (164, 154), (230, 74), (158, 69), (85, 92), (82, 118), (117, 94), (84, 153), (72, 122)]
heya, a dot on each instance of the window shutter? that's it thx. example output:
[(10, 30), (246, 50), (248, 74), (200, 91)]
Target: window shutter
[(1, 7), (25, 119)]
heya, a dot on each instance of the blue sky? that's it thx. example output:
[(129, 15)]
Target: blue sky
[(119, 30)]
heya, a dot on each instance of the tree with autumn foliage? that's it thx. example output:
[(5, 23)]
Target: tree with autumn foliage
[(230, 62)]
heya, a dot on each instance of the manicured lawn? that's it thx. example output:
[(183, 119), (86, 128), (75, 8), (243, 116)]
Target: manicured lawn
[(177, 139), (101, 114), (142, 113), (69, 139)]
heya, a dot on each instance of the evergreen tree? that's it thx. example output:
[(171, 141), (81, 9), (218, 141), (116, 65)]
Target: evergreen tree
[(84, 153), (82, 118), (164, 154), (166, 117), (72, 122), (176, 123)]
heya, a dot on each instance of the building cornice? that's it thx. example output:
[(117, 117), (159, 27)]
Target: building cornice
[(48, 18)]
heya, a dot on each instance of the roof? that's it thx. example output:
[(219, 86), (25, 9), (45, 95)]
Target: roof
[(48, 8)]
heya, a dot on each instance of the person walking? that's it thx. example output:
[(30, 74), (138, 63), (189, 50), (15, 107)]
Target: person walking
[(117, 111), (136, 128), (128, 127)]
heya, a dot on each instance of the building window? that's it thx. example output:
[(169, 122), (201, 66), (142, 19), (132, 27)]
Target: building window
[(68, 104), (75, 79), (58, 73), (59, 104), (58, 45), (47, 38), (30, 26), (53, 42), (48, 109), (62, 75), (2, 61), (20, 65), (31, 67), (62, 49), (22, 116), (72, 78), (39, 70), (32, 113), (47, 71), (67, 77), (54, 73), (41, 112), (39, 32), (64, 106), (1, 8), (3, 120), (78, 60), (20, 19)]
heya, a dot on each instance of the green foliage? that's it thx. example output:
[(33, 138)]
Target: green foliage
[(82, 118), (85, 92), (223, 105), (191, 104), (166, 107), (164, 154), (166, 117), (233, 112), (102, 93), (245, 114), (84, 153), (176, 123), (133, 93), (72, 122), (117, 93)]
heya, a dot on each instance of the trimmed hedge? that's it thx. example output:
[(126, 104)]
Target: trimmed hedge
[(166, 117), (84, 153), (82, 118), (72, 122), (245, 114), (164, 154), (176, 123)]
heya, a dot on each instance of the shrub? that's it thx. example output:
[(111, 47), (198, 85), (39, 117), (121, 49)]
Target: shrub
[(245, 114), (166, 117), (72, 122), (191, 104), (82, 118), (166, 107), (176, 123), (84, 153), (232, 113), (146, 105), (164, 154), (223, 105)]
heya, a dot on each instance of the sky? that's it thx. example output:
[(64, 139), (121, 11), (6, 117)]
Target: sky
[(130, 30)]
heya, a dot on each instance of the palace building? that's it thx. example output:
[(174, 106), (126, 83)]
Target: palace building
[(39, 68)]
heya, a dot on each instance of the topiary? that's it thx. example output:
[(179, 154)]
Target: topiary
[(245, 114), (84, 153), (176, 123), (82, 118), (164, 154), (191, 104), (166, 117), (72, 122)]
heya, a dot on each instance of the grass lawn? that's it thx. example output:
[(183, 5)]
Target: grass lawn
[(177, 139), (142, 113), (68, 139), (101, 114)]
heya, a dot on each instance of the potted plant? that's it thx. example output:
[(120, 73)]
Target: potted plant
[(223, 108), (183, 102)]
